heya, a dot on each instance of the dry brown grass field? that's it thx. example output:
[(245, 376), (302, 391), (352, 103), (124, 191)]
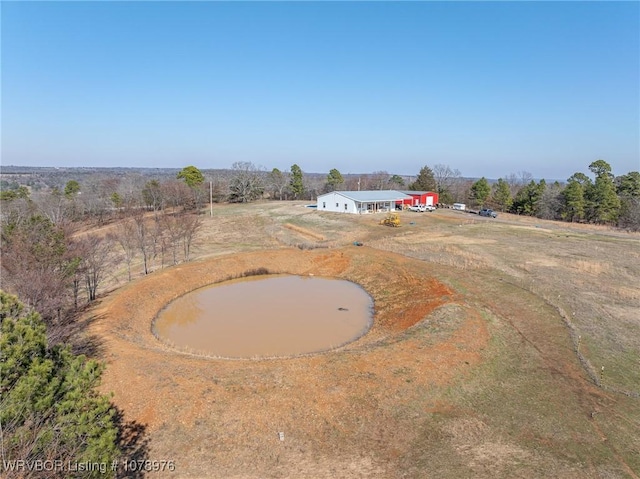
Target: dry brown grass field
[(505, 347)]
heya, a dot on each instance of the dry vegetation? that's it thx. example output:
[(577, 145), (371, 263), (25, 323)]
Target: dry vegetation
[(485, 358)]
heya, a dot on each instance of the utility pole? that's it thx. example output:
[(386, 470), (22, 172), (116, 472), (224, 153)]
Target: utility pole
[(211, 197)]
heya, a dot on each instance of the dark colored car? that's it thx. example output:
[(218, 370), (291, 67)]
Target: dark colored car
[(488, 212)]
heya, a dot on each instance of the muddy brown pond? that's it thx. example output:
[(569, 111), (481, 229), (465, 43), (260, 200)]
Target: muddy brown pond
[(266, 316)]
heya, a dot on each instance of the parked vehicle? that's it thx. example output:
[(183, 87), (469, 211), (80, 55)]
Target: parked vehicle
[(488, 212), (421, 208)]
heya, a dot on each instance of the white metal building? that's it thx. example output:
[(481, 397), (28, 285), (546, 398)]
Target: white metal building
[(359, 202)]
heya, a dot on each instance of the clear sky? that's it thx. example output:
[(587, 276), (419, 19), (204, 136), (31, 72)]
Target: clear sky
[(488, 88)]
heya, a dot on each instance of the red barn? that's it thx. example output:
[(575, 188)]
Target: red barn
[(427, 198)]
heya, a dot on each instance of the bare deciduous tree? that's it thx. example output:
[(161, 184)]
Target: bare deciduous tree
[(176, 193), (152, 195), (142, 237), (54, 206), (356, 182), (277, 182), (446, 178), (379, 180), (219, 188), (173, 234), (98, 259), (38, 263), (188, 225), (518, 180), (246, 183), (125, 236)]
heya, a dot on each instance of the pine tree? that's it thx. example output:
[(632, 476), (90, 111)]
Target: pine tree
[(527, 199), (334, 180), (50, 409), (425, 181), (502, 195), (604, 204), (629, 185), (194, 179), (628, 189), (296, 183), (71, 189), (191, 175), (480, 191), (573, 198), (396, 181)]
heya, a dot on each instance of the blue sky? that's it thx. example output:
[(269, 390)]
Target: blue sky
[(488, 88)]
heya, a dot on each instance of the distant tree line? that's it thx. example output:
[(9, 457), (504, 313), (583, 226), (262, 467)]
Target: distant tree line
[(605, 199)]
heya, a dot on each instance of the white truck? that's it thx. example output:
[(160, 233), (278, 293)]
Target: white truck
[(421, 208)]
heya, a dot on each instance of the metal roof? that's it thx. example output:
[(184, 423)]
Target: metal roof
[(373, 195), (409, 192)]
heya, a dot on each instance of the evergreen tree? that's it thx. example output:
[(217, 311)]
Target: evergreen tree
[(71, 189), (334, 180), (277, 181), (480, 191), (194, 179), (425, 181), (192, 176), (296, 182), (502, 195), (50, 409), (22, 192), (628, 185), (116, 199), (396, 181), (603, 202), (628, 188), (527, 199), (573, 199)]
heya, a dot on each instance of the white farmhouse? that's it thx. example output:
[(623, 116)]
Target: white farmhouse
[(359, 202)]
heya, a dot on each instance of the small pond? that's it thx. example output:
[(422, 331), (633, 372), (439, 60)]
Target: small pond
[(266, 316)]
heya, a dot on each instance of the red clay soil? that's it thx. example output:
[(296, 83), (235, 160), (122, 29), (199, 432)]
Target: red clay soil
[(340, 411)]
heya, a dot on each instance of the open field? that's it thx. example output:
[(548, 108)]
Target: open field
[(485, 358)]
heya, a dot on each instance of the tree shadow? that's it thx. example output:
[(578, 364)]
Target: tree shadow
[(89, 345), (74, 333), (134, 446)]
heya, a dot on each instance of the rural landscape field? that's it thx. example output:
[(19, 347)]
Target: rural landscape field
[(504, 347), (320, 240)]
